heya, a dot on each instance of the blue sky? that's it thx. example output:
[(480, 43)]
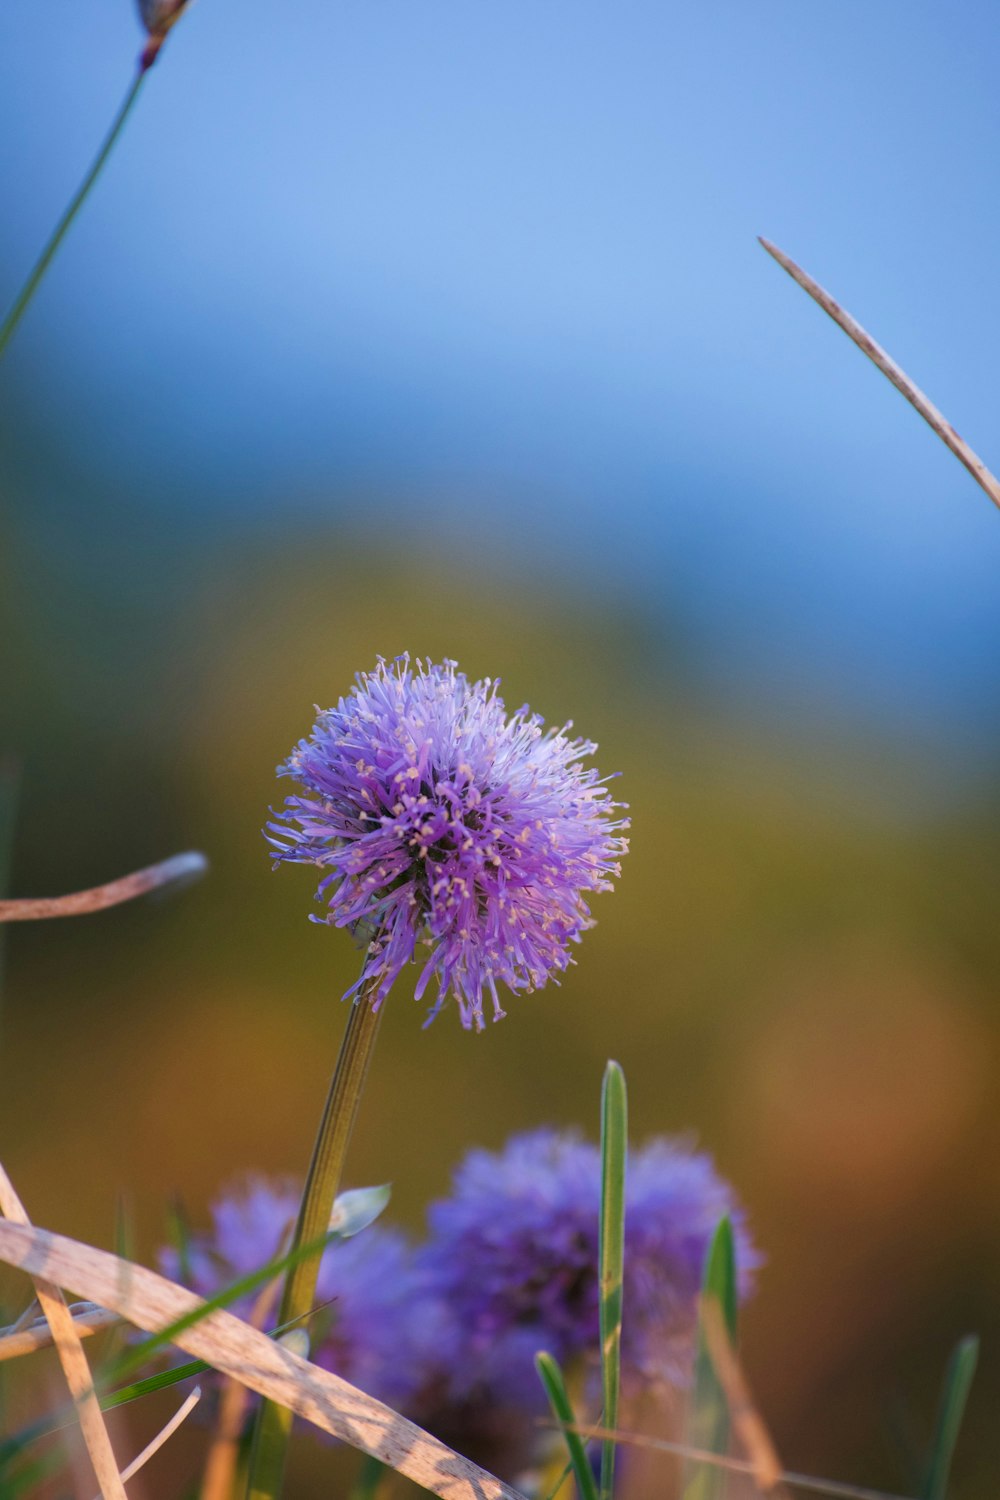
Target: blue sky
[(495, 266)]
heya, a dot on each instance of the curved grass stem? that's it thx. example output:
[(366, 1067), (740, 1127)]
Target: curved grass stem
[(20, 305)]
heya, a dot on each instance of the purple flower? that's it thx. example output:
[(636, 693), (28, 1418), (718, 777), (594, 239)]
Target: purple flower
[(441, 820), (374, 1329), (513, 1255)]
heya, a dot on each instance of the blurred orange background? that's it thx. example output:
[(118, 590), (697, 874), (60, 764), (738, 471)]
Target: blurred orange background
[(798, 974)]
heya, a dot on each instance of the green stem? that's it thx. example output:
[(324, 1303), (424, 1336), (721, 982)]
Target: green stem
[(369, 1480), (611, 1256), (24, 296), (273, 1424)]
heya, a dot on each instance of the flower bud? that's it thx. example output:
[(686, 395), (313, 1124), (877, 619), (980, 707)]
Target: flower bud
[(157, 16)]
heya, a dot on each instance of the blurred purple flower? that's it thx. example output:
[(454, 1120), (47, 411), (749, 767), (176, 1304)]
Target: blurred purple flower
[(375, 1328), (513, 1255), (441, 820)]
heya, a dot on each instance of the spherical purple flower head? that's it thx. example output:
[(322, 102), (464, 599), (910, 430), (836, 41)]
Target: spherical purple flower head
[(441, 820), (513, 1253), (375, 1334)]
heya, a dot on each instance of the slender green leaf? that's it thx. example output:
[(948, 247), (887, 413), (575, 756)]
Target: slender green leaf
[(954, 1395), (551, 1377), (24, 296), (246, 1284), (708, 1418), (614, 1148), (553, 1492), (720, 1276), (179, 1230), (371, 1472), (29, 1477), (10, 1447), (151, 1383), (134, 1358)]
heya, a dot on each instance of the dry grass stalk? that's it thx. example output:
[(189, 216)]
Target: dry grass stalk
[(180, 1415), (891, 371), (71, 1356), (87, 1320), (152, 1303), (831, 1487), (219, 1477), (31, 1313), (80, 903), (747, 1422)]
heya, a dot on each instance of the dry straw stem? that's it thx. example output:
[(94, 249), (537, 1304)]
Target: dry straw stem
[(722, 1461), (746, 1419), (80, 903), (70, 1351), (87, 1320), (218, 1480), (180, 1415), (152, 1303), (891, 371)]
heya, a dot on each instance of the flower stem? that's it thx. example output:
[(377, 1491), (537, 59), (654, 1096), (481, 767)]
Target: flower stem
[(273, 1424), (24, 296)]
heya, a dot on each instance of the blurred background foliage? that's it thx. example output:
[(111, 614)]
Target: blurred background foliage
[(229, 480)]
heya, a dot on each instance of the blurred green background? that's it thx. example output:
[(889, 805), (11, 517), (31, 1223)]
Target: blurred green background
[(478, 358)]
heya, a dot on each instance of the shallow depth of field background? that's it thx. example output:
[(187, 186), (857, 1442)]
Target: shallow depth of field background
[(442, 327)]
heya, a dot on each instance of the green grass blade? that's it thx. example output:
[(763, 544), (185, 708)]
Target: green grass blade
[(179, 1231), (370, 1475), (708, 1420), (553, 1492), (614, 1147), (29, 1478), (246, 1284), (152, 1383), (24, 296), (551, 1377), (12, 1446), (954, 1395)]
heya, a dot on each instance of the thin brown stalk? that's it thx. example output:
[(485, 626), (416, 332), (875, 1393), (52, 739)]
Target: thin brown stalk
[(180, 1415), (816, 1486), (15, 1341), (31, 1313), (80, 903), (747, 1421), (71, 1356), (884, 362), (219, 1475), (270, 1368)]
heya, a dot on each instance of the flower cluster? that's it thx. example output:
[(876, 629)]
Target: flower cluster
[(447, 1331), (513, 1253), (439, 819)]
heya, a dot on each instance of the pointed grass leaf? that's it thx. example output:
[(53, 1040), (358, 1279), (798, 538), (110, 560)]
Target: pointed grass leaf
[(230, 1294), (369, 1479), (708, 1417), (551, 1377), (954, 1396), (614, 1149), (332, 1404), (720, 1275)]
